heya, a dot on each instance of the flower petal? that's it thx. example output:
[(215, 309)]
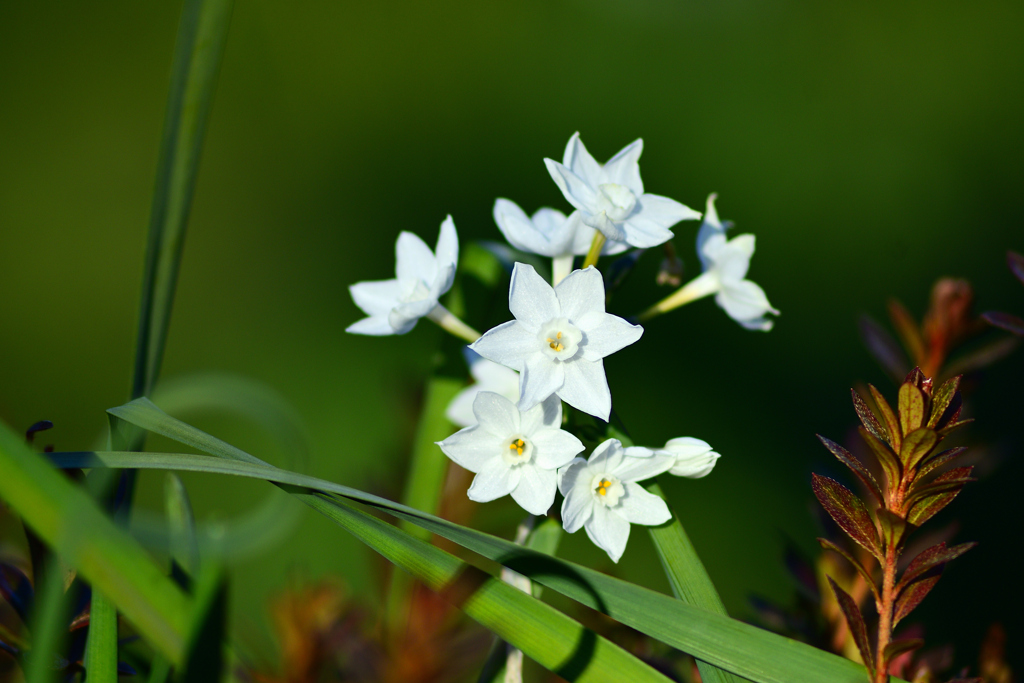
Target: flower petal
[(541, 377), (471, 448), (555, 448), (460, 408), (377, 326), (576, 190), (608, 531), (546, 415), (580, 293), (584, 235), (578, 505), (413, 259), (743, 300), (611, 230), (509, 344), (377, 297), (733, 260), (496, 479), (536, 490), (607, 456), (405, 316), (758, 324), (639, 506), (634, 468), (711, 214), (694, 458), (586, 388), (580, 161), (663, 211), (496, 414), (605, 334), (530, 298), (518, 229), (447, 253), (624, 167)]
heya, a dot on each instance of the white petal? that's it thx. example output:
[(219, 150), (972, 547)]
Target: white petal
[(644, 234), (606, 334), (530, 298), (610, 229), (710, 245), (496, 479), (509, 344), (743, 300), (663, 211), (541, 377), (546, 415), (576, 190), (758, 324), (711, 214), (377, 326), (687, 447), (517, 228), (404, 316), (555, 448), (494, 376), (447, 245), (578, 505), (413, 259), (693, 463), (471, 448), (376, 298), (580, 161), (607, 456), (460, 409), (580, 293), (639, 506), (624, 167), (608, 531), (442, 282), (536, 490), (496, 414), (584, 235), (733, 260), (633, 468), (586, 388)]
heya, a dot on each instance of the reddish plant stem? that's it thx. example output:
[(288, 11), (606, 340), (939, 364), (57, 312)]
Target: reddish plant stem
[(885, 614)]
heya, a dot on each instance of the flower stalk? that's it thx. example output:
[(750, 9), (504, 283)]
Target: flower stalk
[(595, 249), (699, 287), (449, 323)]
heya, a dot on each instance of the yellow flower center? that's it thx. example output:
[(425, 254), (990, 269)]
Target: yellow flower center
[(517, 445), (603, 486), (556, 343)]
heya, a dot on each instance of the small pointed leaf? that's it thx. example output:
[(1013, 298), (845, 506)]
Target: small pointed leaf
[(865, 574), (939, 459), (926, 508), (942, 398), (894, 527), (890, 463), (917, 378), (855, 465), (911, 406), (855, 620), (954, 426), (868, 418), (947, 481), (1006, 321), (848, 511), (932, 557), (908, 330), (912, 596), (899, 647), (916, 446), (891, 423)]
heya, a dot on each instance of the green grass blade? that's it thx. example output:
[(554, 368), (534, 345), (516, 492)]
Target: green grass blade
[(49, 623), (204, 662), (689, 579), (69, 521), (184, 548), (101, 647), (740, 648), (202, 34)]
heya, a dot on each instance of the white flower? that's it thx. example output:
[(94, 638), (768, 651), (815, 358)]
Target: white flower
[(548, 232), (693, 458), (489, 376), (611, 198), (513, 452), (421, 277), (601, 494), (725, 266), (558, 339)]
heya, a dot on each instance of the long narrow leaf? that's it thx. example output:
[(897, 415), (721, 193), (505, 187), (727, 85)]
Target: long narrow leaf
[(49, 621), (101, 647), (68, 520)]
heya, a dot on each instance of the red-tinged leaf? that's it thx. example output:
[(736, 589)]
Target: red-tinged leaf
[(848, 511), (863, 473), (890, 463), (942, 398), (1006, 321), (867, 418), (894, 527), (932, 557), (883, 348), (911, 407), (952, 426), (899, 647), (889, 417), (861, 569), (912, 596), (956, 477), (926, 508), (916, 445), (1016, 264), (908, 330), (855, 620), (938, 460), (918, 379)]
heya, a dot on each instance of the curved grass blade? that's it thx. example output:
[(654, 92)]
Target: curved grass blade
[(69, 521)]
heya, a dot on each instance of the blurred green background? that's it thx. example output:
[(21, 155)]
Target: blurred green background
[(870, 147)]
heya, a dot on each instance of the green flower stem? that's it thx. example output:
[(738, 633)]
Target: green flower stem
[(697, 288), (595, 249), (449, 323)]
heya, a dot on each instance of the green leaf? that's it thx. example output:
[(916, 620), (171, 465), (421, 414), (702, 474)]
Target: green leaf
[(893, 527), (101, 646), (941, 400), (202, 33), (889, 417), (868, 419), (49, 619), (71, 523), (848, 512), (855, 621), (954, 479), (916, 445), (865, 574), (886, 458), (938, 460), (184, 549), (912, 408), (855, 465)]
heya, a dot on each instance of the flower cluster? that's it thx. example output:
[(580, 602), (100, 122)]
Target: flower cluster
[(553, 349)]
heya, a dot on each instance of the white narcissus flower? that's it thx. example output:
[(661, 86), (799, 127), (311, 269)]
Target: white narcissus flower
[(421, 277), (489, 376), (513, 452), (611, 197), (602, 496), (725, 268), (693, 458), (559, 339)]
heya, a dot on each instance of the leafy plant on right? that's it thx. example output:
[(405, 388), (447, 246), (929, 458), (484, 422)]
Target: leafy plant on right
[(915, 485)]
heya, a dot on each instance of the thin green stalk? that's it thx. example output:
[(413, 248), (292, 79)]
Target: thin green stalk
[(101, 647), (50, 617)]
